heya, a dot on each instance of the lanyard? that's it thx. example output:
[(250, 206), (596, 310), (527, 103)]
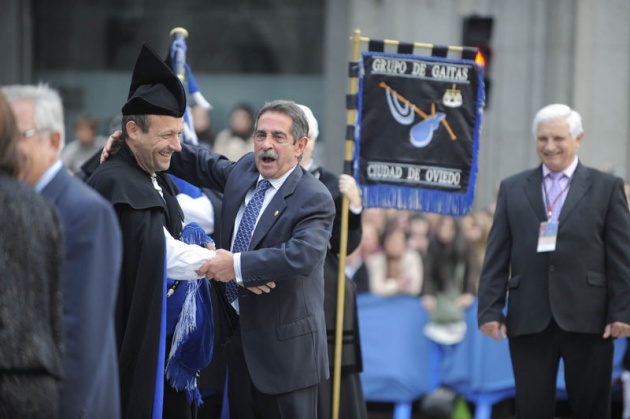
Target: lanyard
[(550, 205)]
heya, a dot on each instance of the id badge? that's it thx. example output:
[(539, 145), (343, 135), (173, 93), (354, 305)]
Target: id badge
[(547, 236)]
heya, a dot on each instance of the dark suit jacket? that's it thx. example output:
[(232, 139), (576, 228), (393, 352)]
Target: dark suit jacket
[(585, 283), (283, 332), (351, 360), (93, 256), (31, 256)]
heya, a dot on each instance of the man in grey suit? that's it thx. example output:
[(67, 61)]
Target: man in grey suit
[(560, 247), (92, 257), (277, 352)]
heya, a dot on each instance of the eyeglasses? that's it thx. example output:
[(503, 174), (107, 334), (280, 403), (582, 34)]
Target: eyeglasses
[(31, 132)]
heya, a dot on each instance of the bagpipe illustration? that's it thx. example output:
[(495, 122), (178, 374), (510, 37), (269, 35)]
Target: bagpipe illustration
[(421, 133)]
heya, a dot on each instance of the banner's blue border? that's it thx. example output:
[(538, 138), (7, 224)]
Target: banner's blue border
[(417, 198)]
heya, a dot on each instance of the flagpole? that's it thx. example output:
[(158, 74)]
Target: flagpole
[(343, 245), (179, 66), (180, 58)]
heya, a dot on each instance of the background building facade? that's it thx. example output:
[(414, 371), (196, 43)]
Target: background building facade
[(570, 51)]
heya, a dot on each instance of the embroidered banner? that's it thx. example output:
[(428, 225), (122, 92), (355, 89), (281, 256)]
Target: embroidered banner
[(417, 132)]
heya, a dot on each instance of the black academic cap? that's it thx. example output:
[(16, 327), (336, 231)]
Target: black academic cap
[(155, 89)]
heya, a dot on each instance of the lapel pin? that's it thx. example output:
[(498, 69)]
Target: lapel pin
[(275, 214)]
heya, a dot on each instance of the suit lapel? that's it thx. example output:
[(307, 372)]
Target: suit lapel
[(276, 207), (533, 191), (579, 185)]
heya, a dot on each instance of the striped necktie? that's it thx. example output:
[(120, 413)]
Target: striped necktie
[(245, 230)]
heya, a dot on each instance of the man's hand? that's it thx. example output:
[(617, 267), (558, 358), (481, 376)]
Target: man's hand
[(617, 330), (220, 267), (262, 288), (112, 145), (348, 187), (494, 330)]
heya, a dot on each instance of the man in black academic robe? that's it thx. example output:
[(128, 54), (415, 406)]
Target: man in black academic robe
[(142, 215), (144, 199)]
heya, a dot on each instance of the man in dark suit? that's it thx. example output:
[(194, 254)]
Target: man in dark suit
[(560, 245), (277, 352), (92, 257)]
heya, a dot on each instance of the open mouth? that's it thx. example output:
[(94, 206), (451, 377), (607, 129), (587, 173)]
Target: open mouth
[(267, 156)]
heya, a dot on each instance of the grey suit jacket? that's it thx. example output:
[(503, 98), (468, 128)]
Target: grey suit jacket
[(283, 332), (585, 283), (93, 256)]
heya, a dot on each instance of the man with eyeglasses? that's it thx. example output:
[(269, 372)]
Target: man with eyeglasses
[(92, 256)]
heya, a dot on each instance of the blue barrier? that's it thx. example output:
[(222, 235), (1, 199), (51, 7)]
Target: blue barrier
[(401, 365), (395, 361)]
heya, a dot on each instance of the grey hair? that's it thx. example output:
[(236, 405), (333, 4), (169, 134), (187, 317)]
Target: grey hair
[(313, 126), (299, 126), (559, 111), (48, 108)]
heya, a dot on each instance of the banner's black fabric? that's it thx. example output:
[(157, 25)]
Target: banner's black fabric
[(418, 132)]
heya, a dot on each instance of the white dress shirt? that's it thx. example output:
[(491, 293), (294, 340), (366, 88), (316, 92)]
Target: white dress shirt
[(182, 260)]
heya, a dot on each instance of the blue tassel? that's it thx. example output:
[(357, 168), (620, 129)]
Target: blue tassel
[(194, 396), (178, 370), (194, 234), (414, 199), (187, 322)]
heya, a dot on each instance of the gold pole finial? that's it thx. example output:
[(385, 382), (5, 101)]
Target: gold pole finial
[(180, 30)]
